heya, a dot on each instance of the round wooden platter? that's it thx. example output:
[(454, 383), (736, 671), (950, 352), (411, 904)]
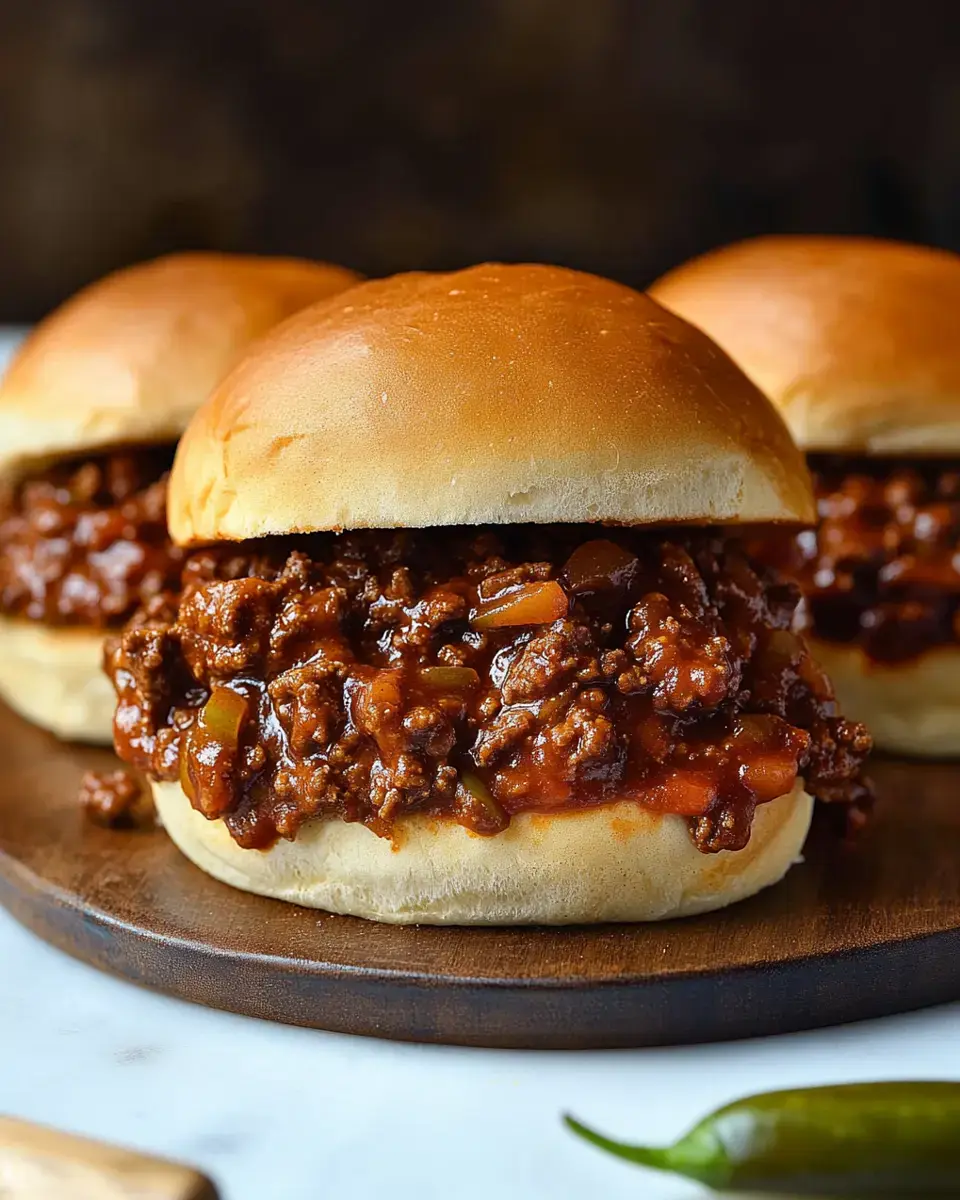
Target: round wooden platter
[(851, 933)]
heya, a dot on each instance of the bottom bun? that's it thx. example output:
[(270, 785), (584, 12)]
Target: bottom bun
[(620, 863), (54, 677), (911, 707)]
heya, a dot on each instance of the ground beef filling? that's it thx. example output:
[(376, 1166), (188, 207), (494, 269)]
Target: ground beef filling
[(115, 799), (882, 571), (85, 542), (476, 674)]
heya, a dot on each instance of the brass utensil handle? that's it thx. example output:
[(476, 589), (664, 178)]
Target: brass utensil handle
[(37, 1163)]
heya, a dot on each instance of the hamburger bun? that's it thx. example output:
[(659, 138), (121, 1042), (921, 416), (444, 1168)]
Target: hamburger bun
[(909, 707), (54, 677), (853, 339), (128, 359), (618, 863), (498, 394)]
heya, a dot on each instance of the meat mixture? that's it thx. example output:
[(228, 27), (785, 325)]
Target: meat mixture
[(883, 569), (85, 542), (115, 799), (475, 674)]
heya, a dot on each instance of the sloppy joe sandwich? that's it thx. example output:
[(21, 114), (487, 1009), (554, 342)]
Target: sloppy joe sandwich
[(90, 411), (855, 341), (465, 634)]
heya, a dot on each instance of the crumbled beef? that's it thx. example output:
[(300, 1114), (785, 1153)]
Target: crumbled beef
[(115, 799), (563, 654), (363, 677), (882, 570), (502, 733), (85, 542)]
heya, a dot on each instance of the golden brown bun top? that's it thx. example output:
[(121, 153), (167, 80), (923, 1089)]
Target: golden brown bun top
[(854, 339), (498, 394), (129, 358)]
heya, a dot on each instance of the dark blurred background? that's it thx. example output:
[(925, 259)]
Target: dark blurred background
[(616, 135)]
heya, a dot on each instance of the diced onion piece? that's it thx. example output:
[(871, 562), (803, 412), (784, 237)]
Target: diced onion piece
[(600, 565), (528, 604), (455, 678), (769, 776), (223, 715), (482, 794)]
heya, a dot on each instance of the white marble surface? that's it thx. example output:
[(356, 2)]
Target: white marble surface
[(274, 1113), (8, 340)]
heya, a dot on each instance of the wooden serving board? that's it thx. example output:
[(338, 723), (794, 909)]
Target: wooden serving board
[(852, 933)]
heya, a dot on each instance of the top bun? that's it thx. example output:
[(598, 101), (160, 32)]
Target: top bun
[(129, 358), (500, 394), (854, 339)]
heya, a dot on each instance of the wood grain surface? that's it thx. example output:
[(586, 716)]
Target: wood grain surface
[(853, 932), (37, 1163)]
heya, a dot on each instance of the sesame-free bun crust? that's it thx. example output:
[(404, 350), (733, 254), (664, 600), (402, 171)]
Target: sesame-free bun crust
[(619, 863), (910, 708), (499, 394), (54, 677), (853, 339), (128, 359)]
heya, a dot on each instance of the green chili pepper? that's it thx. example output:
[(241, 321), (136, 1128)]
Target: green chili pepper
[(870, 1139)]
